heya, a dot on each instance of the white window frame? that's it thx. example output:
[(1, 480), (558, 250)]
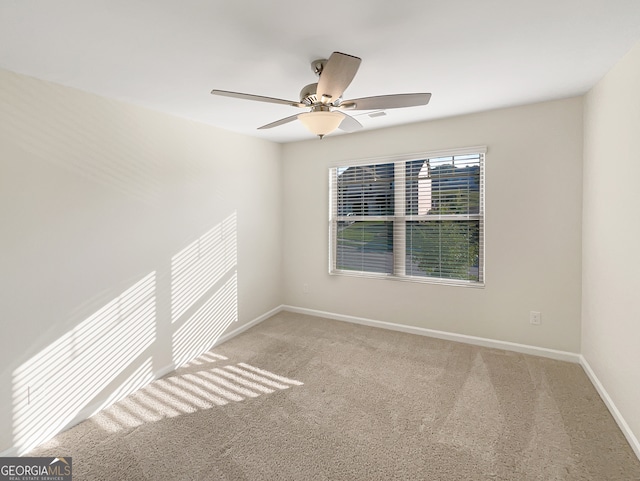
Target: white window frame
[(400, 217)]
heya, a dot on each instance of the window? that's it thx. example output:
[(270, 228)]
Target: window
[(417, 218)]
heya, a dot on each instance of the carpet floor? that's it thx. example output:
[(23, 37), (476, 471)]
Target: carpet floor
[(305, 398)]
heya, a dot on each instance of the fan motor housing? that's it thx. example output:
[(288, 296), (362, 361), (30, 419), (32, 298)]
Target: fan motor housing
[(308, 94)]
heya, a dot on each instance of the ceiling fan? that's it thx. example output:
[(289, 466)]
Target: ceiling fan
[(324, 98)]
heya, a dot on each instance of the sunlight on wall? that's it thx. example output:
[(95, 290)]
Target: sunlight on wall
[(142, 376), (204, 327), (204, 291), (107, 357), (188, 390), (52, 387), (200, 265)]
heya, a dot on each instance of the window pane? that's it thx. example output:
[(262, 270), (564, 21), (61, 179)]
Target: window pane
[(365, 246), (443, 185), (365, 190), (443, 249)]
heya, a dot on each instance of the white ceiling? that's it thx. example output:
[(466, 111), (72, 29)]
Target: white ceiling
[(167, 55)]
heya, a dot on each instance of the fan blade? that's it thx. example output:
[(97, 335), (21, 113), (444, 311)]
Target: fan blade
[(383, 102), (258, 98), (336, 76), (349, 124), (286, 120)]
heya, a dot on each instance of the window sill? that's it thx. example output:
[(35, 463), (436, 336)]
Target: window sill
[(413, 279)]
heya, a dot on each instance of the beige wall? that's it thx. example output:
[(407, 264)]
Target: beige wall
[(611, 230), (130, 241), (533, 227)]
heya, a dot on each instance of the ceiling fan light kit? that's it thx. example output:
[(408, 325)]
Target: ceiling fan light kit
[(325, 98), (321, 123)]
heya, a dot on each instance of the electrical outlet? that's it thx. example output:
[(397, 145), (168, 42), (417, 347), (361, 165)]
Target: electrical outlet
[(305, 288), (535, 317)]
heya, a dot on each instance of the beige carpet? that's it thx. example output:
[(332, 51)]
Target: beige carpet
[(304, 398)]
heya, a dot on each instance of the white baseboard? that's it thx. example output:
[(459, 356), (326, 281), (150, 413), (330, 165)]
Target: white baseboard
[(9, 453), (248, 325), (448, 336), (622, 424), (93, 408)]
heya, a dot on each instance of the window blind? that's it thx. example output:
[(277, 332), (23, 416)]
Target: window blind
[(420, 219), (363, 220)]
